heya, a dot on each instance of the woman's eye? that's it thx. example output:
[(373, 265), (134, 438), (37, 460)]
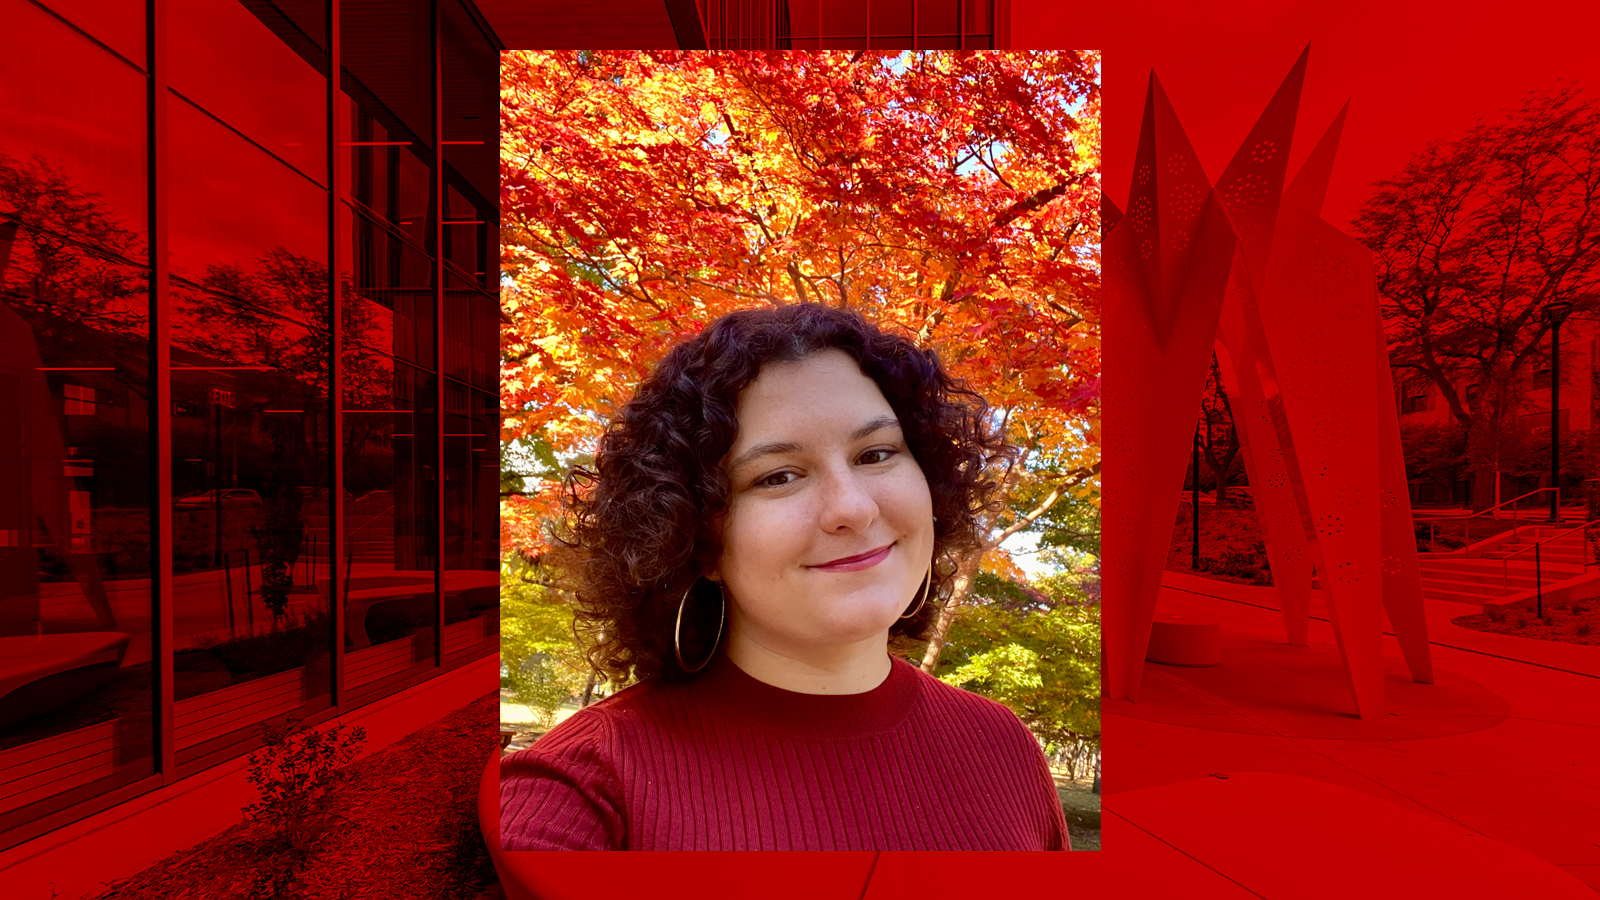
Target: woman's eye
[(776, 479), (876, 456)]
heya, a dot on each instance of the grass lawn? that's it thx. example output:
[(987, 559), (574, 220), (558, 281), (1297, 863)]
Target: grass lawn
[(1082, 806), (405, 827)]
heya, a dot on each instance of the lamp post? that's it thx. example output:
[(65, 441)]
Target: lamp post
[(1555, 312), (1194, 558)]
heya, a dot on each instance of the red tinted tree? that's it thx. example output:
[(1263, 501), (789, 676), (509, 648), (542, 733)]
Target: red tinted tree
[(1473, 239)]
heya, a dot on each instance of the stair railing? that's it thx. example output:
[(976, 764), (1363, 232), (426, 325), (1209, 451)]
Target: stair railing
[(1514, 503), (1538, 565)]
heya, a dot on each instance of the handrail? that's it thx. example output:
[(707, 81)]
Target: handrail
[(369, 521), (1538, 565), (349, 539), (1467, 532), (1528, 494), (350, 549), (1558, 537)]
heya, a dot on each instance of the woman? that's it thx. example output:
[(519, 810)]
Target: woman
[(787, 493)]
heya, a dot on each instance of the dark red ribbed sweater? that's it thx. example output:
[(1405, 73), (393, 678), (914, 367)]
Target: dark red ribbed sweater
[(727, 762)]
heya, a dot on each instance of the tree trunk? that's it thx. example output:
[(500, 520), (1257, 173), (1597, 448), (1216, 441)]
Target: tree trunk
[(1484, 475), (1485, 434), (588, 690), (1591, 484), (947, 615)]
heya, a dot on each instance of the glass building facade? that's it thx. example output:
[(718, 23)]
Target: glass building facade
[(248, 377), (851, 24)]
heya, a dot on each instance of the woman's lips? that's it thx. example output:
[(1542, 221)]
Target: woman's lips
[(856, 563)]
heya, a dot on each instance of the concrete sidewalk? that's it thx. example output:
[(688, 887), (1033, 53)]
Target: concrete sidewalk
[(1504, 744)]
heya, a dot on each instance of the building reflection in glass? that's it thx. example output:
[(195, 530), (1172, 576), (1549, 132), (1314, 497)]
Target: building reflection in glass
[(266, 249)]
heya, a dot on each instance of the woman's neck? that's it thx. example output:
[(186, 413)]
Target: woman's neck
[(846, 669)]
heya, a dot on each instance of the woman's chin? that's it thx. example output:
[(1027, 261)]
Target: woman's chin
[(858, 619)]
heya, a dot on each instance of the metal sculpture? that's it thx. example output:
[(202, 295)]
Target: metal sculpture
[(1289, 303)]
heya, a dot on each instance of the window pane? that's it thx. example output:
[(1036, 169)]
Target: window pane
[(936, 16), (388, 177), (75, 608), (471, 520), (390, 516), (892, 17), (390, 441), (843, 18), (803, 19), (233, 207), (73, 117), (976, 20), (250, 466), (466, 231), (119, 24), (387, 49), (471, 105), (250, 498), (389, 307), (233, 66)]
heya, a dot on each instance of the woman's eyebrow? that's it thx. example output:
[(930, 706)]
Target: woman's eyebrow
[(763, 450), (877, 424), (770, 447)]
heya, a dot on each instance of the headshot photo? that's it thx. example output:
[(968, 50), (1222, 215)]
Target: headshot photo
[(800, 387)]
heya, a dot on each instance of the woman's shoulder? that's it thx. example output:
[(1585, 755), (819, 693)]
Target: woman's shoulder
[(980, 711), (565, 792), (591, 723), (594, 727)]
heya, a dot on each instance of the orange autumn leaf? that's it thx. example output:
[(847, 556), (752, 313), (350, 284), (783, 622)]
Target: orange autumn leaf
[(953, 196)]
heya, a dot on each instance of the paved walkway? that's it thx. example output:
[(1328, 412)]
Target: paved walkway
[(1505, 745)]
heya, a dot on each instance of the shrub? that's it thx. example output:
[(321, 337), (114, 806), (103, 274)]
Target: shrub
[(1496, 613), (297, 771), (536, 683), (1522, 620), (1236, 562), (1584, 628)]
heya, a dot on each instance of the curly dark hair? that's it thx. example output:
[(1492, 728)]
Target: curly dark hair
[(640, 525)]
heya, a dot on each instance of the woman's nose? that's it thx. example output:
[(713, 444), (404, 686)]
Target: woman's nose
[(846, 504)]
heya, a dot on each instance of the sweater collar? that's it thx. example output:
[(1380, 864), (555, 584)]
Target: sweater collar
[(819, 716)]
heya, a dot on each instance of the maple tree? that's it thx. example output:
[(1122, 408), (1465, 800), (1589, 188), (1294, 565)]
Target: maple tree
[(952, 196), (1037, 650)]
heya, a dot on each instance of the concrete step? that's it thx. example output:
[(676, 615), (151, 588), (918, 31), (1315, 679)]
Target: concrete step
[(1528, 540), (1494, 567), (1546, 557), (1544, 532), (1477, 600), (1485, 587)]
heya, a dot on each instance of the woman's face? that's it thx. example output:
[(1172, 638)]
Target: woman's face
[(829, 530)]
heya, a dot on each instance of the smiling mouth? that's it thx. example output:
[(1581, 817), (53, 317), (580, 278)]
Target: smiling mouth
[(856, 563)]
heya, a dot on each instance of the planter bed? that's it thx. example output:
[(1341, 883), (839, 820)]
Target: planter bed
[(405, 827)]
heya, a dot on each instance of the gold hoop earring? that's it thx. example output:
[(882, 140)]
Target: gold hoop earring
[(927, 581), (677, 630)]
